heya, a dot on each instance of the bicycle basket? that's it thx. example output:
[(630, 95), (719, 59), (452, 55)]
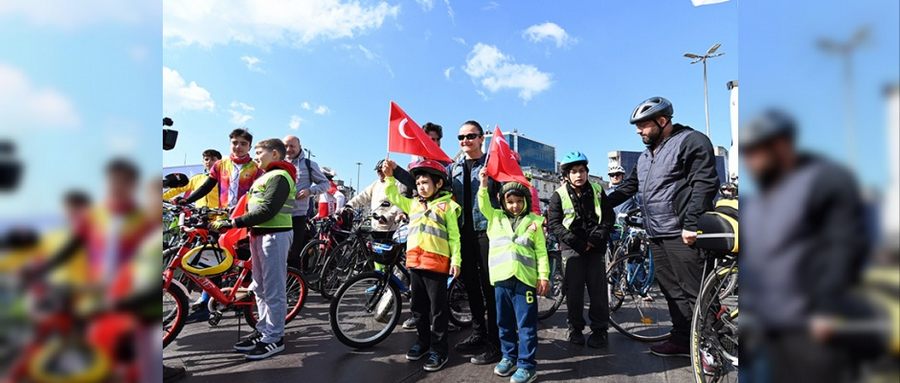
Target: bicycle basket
[(206, 260), (384, 253), (718, 229)]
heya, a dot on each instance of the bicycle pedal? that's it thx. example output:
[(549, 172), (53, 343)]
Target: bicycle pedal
[(214, 319)]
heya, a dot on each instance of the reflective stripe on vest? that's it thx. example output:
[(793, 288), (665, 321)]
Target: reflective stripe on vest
[(512, 252), (428, 227), (283, 218), (569, 209)]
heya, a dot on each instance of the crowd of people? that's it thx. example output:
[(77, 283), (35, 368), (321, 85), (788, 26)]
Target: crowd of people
[(466, 225)]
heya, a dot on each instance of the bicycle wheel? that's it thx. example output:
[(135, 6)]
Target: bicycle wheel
[(295, 288), (345, 261), (458, 300), (174, 312), (714, 328), (547, 305), (637, 307), (365, 310), (312, 258)]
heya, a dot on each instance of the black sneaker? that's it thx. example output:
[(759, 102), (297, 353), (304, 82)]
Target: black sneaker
[(490, 356), (264, 350), (435, 362), (410, 324), (470, 345), (576, 337), (598, 339), (416, 352), (249, 343)]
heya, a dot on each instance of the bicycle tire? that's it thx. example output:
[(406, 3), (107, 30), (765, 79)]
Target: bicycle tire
[(295, 286), (350, 289), (458, 301), (179, 316), (342, 264), (711, 287), (557, 289), (312, 259), (629, 319)]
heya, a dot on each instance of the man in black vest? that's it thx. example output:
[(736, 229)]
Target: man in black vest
[(678, 182)]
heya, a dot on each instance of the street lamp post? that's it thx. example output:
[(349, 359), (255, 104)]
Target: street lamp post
[(845, 51), (358, 164), (710, 53)]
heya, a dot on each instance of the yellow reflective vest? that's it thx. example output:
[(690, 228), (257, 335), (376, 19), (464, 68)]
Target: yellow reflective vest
[(433, 240), (569, 209), (283, 218), (520, 252)]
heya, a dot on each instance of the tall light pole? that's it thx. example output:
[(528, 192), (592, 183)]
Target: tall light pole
[(845, 50), (710, 53), (358, 164)]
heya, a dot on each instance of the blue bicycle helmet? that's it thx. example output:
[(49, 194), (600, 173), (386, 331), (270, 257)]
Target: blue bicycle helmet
[(772, 123), (573, 158), (651, 108)]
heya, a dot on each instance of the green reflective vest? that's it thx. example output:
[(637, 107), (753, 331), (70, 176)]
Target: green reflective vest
[(283, 218), (569, 209)]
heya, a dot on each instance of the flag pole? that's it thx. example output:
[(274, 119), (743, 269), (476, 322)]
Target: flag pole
[(390, 109)]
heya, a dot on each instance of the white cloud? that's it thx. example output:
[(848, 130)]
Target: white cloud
[(23, 105), (240, 113), (295, 122), (252, 63), (297, 22), (306, 105), (369, 55), (322, 110), (549, 31), (490, 6), (460, 40), (450, 12), (69, 14), (496, 71), (179, 95), (447, 72), (426, 5)]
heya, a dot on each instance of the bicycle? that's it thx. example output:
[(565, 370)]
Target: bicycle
[(549, 303), (637, 307), (366, 309), (316, 252), (215, 256), (349, 258)]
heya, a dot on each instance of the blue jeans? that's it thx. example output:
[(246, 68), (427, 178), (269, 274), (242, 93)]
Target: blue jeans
[(517, 309)]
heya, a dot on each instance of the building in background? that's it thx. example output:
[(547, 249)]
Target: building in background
[(533, 154)]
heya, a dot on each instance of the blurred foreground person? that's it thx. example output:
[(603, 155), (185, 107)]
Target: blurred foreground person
[(803, 252)]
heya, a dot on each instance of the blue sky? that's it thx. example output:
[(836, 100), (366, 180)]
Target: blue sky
[(79, 84), (782, 66), (442, 61)]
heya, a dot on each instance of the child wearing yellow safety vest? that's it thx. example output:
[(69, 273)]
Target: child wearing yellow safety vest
[(432, 252), (519, 270)]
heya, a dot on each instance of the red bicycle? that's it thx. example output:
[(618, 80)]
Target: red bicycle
[(330, 232), (203, 254)]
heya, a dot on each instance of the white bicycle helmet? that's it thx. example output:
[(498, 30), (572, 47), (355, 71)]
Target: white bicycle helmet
[(328, 172)]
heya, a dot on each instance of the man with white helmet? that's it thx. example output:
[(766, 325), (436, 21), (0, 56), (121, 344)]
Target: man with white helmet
[(616, 176)]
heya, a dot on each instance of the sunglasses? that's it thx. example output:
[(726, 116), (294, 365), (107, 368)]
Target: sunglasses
[(616, 175), (470, 136)]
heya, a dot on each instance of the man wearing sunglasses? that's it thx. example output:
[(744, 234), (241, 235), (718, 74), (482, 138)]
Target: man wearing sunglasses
[(484, 340)]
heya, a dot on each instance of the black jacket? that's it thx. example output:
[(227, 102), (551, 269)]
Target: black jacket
[(677, 180), (585, 228)]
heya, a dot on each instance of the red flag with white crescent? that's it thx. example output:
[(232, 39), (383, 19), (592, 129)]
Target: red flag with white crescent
[(502, 163), (405, 136)]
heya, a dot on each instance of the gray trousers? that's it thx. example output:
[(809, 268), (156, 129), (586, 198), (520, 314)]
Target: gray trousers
[(269, 252)]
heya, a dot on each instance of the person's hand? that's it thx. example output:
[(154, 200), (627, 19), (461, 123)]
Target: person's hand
[(303, 194), (821, 328), (543, 287), (388, 168), (689, 237), (588, 247), (483, 176), (454, 271), (180, 201), (221, 225)]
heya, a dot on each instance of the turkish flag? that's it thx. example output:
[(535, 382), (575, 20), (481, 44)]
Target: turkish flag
[(501, 164), (405, 136)]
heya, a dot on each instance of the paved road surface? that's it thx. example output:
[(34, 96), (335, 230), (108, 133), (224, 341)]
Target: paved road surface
[(313, 355)]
